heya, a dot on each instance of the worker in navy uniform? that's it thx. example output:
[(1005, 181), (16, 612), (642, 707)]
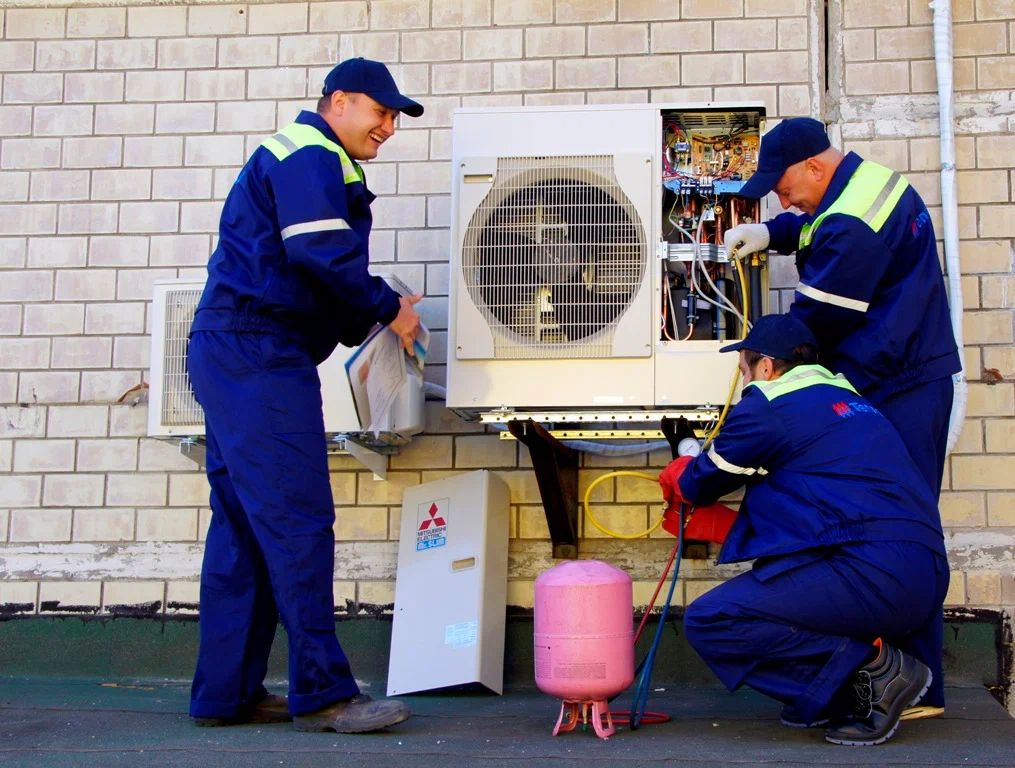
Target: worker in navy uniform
[(872, 291), (287, 283), (849, 554)]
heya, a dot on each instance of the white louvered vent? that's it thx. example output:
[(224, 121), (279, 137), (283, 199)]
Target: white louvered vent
[(179, 408), (554, 256)]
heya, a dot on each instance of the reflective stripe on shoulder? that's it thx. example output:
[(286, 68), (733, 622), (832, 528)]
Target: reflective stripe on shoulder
[(830, 298), (321, 225), (801, 377), (298, 135), (733, 469)]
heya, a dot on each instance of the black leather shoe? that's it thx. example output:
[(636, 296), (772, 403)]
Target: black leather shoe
[(360, 714), (791, 717), (882, 691), (271, 709)]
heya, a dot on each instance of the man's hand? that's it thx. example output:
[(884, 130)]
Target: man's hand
[(746, 238), (669, 477), (406, 322)]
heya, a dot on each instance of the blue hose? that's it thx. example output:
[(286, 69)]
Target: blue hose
[(645, 681)]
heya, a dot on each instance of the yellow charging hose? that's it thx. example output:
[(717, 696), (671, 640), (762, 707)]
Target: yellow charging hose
[(737, 265)]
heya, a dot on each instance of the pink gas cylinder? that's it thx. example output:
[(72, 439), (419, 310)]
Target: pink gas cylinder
[(584, 639)]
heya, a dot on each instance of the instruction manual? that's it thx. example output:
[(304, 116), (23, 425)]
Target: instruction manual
[(377, 371)]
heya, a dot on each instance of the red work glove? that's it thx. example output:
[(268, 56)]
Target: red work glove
[(710, 523), (668, 479)]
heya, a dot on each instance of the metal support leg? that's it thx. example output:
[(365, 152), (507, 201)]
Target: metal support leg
[(556, 468)]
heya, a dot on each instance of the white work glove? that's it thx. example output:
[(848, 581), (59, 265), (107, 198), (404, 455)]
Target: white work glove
[(746, 238)]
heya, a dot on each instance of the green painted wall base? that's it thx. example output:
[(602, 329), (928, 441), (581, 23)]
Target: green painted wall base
[(977, 649)]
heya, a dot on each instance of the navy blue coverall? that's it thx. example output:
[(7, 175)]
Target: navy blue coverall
[(872, 292), (844, 529), (287, 283)]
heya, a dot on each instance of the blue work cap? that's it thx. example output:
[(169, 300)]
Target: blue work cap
[(775, 336), (790, 142), (372, 78)]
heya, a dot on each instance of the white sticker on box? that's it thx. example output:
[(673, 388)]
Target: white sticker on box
[(461, 635)]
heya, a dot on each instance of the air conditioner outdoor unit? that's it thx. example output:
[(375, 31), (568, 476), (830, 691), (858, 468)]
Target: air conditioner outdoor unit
[(588, 272), (174, 413)]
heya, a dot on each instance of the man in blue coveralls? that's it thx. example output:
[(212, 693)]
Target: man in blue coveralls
[(287, 283), (872, 291), (850, 557)]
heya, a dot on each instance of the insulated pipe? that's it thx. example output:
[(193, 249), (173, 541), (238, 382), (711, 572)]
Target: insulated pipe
[(949, 204)]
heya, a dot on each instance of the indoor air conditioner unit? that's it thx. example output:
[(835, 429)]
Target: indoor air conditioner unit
[(174, 413), (588, 272)]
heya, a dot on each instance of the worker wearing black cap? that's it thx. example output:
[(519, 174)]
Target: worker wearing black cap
[(849, 554), (287, 283), (872, 291)]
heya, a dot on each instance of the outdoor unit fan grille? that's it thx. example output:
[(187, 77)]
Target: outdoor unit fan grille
[(179, 408), (553, 256)]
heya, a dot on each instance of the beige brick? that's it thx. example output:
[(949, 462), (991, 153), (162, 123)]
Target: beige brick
[(188, 490), (157, 22), (776, 8), (994, 151), (102, 152), (532, 523), (131, 352), (746, 35), (277, 18), (523, 75), (432, 46), (15, 121), (126, 54), (1001, 509), (187, 53), (157, 455), (40, 525), (618, 38), (554, 41), (73, 490), (571, 11), (792, 34), (997, 221), (627, 96), (890, 13), (956, 590), (62, 121), (643, 591), (78, 421), (44, 456), (979, 39), (983, 186), (49, 387), (890, 77), (377, 593), (990, 400), (994, 9), (96, 22), (35, 23), (64, 55), (73, 596), (19, 596), (924, 76), (128, 421), (524, 12), (60, 185), (149, 217), (10, 325), (24, 354), (85, 285), (136, 490), (794, 100), (103, 525), (337, 17), (461, 78), (424, 452), (213, 150), (387, 491), (361, 523), (152, 152), (187, 118), (217, 20), (460, 13), (998, 291), (983, 256), (20, 491), (682, 37), (971, 438), (26, 220), (983, 588), (988, 327), (179, 250), (223, 85), (121, 317), (94, 87), (155, 86), (482, 451), (380, 46), (995, 72), (520, 594), (272, 84), (119, 251), (106, 386), (52, 319), (982, 472), (37, 88), (712, 69), (905, 43), (492, 44), (122, 184), (106, 455), (344, 594), (308, 49), (131, 594), (858, 44), (30, 153), (621, 518), (781, 67), (17, 56), (69, 352), (167, 525), (963, 510), (1000, 435)]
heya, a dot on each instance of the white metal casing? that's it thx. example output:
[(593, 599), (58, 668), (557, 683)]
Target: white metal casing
[(451, 596), (662, 374), (173, 412)]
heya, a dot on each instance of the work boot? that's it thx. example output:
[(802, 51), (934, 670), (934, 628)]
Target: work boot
[(360, 714), (791, 717), (271, 709), (882, 690)]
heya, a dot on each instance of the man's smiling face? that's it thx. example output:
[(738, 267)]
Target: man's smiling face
[(362, 124)]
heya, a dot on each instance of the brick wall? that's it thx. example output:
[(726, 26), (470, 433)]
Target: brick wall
[(123, 128)]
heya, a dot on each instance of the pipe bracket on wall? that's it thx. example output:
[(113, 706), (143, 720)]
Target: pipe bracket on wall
[(556, 468)]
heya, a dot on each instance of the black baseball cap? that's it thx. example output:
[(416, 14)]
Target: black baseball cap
[(775, 336), (372, 78), (790, 142)]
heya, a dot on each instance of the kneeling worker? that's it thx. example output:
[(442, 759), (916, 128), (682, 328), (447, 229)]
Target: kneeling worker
[(850, 554)]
